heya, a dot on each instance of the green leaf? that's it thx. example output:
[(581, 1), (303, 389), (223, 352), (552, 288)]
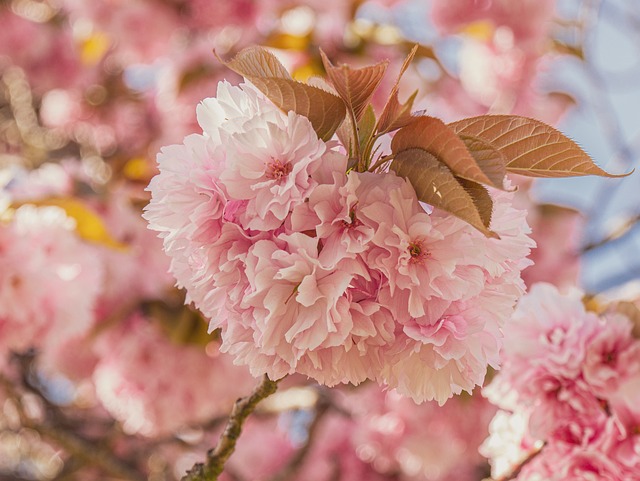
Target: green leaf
[(433, 136), (89, 225), (531, 147), (489, 159), (366, 126), (355, 86), (436, 185), (345, 135)]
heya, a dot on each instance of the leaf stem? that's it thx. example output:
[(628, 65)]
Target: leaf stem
[(356, 139), (381, 161)]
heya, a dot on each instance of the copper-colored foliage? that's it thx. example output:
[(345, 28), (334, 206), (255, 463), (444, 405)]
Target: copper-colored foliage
[(324, 110), (531, 147), (355, 86), (436, 185)]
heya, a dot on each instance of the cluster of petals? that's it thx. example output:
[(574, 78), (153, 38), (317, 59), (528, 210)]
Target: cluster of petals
[(341, 276), (425, 441), (49, 280), (159, 404), (569, 391), (69, 264)]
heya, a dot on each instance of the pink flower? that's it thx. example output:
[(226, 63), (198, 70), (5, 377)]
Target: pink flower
[(269, 165), (612, 357), (167, 400), (447, 348), (547, 339), (413, 254), (187, 205), (296, 304), (528, 20), (400, 438), (575, 377), (509, 442), (49, 280), (362, 355), (341, 277), (333, 212), (624, 443), (434, 360)]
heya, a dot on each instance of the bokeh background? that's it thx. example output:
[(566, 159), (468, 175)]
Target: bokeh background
[(90, 91)]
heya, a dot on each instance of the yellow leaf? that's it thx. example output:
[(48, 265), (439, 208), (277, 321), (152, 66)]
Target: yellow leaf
[(482, 30), (137, 169), (93, 48), (307, 71), (89, 225), (287, 41)]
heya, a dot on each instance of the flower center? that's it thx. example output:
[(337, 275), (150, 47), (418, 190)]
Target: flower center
[(610, 358), (277, 170), (353, 220), (417, 252)]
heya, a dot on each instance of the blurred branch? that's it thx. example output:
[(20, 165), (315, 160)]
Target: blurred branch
[(54, 426), (291, 468), (603, 107), (217, 457), (616, 234), (89, 452)]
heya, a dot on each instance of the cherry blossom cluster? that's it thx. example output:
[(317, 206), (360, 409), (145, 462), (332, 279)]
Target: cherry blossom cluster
[(162, 404), (503, 48), (339, 275), (569, 390), (49, 280), (76, 303)]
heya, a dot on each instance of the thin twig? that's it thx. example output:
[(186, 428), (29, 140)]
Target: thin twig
[(54, 427), (381, 161), (89, 452), (294, 464), (216, 458), (615, 235)]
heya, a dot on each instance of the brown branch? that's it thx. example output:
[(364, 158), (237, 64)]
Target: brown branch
[(616, 234), (89, 452), (217, 457), (53, 428)]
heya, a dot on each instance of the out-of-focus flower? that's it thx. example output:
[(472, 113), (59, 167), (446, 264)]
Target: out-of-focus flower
[(166, 401), (50, 280)]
